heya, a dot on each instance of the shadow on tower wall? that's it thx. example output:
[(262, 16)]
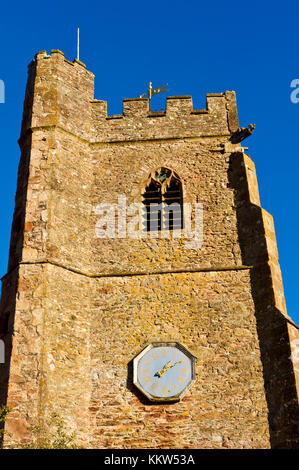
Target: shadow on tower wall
[(272, 325)]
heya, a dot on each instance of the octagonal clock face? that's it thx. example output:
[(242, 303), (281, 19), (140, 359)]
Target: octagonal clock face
[(164, 371)]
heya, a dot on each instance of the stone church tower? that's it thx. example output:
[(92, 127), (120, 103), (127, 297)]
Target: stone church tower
[(77, 307)]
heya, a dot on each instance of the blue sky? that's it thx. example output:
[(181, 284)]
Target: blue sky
[(197, 48)]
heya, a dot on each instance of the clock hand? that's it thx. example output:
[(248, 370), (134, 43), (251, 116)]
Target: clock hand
[(162, 371), (166, 367), (172, 365), (178, 362)]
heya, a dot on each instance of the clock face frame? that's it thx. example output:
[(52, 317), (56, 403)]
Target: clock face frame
[(163, 371)]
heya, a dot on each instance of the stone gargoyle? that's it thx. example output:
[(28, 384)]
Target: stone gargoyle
[(242, 133)]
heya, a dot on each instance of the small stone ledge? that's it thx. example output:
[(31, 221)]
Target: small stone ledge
[(115, 116), (41, 54), (186, 269), (76, 61), (57, 51), (156, 114), (215, 95), (179, 97), (94, 101), (200, 111), (134, 99), (69, 62)]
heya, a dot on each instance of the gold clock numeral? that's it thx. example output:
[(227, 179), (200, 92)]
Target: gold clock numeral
[(147, 379), (144, 372), (164, 390), (181, 379), (154, 355), (164, 353), (183, 370)]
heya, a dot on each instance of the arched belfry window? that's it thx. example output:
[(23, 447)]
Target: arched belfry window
[(163, 201)]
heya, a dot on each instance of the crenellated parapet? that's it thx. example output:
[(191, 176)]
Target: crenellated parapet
[(64, 97), (179, 119)]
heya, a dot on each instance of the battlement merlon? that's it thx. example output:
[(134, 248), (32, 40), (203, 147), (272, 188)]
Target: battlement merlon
[(58, 93), (61, 93)]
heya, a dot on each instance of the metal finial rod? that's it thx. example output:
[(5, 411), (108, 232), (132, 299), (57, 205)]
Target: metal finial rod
[(150, 91), (78, 38)]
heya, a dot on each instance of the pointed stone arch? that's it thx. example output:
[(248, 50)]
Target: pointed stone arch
[(162, 196)]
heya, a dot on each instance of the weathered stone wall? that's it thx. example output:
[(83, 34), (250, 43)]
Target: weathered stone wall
[(76, 309), (212, 314), (21, 377)]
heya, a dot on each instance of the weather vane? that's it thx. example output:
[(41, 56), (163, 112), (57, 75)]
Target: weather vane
[(153, 91)]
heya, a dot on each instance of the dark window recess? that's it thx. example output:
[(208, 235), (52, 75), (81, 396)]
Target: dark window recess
[(4, 321), (163, 201)]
